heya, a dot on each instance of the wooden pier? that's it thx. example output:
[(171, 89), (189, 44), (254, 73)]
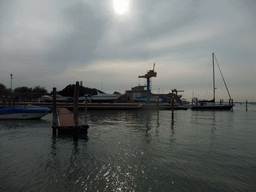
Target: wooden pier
[(66, 124)]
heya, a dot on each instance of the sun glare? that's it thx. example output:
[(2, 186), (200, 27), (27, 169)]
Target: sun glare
[(120, 6)]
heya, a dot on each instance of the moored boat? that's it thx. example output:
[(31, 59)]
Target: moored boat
[(210, 104), (101, 97), (59, 98), (9, 113), (153, 99)]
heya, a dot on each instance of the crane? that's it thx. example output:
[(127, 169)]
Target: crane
[(176, 95), (148, 75)]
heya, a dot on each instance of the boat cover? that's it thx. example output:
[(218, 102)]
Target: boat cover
[(12, 110)]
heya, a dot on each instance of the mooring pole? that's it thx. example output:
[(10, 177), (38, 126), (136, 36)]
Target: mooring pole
[(172, 104), (13, 101), (85, 110), (148, 90), (54, 112), (75, 110), (3, 101), (158, 102), (246, 105)]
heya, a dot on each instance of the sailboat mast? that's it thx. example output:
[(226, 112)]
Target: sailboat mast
[(213, 77)]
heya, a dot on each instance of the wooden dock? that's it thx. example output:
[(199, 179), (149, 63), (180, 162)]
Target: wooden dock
[(66, 125), (107, 106)]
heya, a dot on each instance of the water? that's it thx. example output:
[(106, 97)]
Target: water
[(133, 151)]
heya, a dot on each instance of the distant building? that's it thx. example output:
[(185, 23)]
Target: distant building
[(137, 91), (131, 96)]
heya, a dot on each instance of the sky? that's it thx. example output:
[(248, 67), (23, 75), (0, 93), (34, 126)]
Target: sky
[(107, 44)]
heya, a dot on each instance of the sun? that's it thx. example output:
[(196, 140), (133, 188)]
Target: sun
[(120, 6)]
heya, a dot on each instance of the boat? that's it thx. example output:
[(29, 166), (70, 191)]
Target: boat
[(153, 99), (59, 98), (210, 104), (29, 106), (102, 97), (10, 113)]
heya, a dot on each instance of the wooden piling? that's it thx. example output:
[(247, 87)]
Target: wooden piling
[(9, 101), (75, 110), (85, 110), (3, 101), (54, 112), (246, 105), (172, 104)]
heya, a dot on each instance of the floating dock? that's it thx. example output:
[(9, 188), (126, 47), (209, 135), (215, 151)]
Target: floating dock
[(65, 124)]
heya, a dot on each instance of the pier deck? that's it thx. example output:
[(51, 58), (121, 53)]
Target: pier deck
[(66, 125), (66, 118)]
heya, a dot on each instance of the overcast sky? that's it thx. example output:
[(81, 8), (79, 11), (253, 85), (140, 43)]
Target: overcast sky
[(107, 44)]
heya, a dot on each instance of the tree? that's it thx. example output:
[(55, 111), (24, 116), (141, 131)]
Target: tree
[(23, 93), (68, 91), (23, 89), (38, 89), (2, 89)]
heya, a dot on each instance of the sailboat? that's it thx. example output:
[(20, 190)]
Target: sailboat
[(210, 104)]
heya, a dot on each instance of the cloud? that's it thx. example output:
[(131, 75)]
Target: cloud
[(55, 43), (30, 29), (80, 45)]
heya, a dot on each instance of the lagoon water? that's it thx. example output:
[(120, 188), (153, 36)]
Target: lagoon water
[(133, 150)]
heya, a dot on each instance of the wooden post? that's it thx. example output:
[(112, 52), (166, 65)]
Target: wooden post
[(54, 112), (75, 110), (246, 105), (3, 101), (85, 110), (9, 101), (158, 102), (172, 105), (13, 101)]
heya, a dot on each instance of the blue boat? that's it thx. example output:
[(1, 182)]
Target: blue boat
[(22, 113)]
